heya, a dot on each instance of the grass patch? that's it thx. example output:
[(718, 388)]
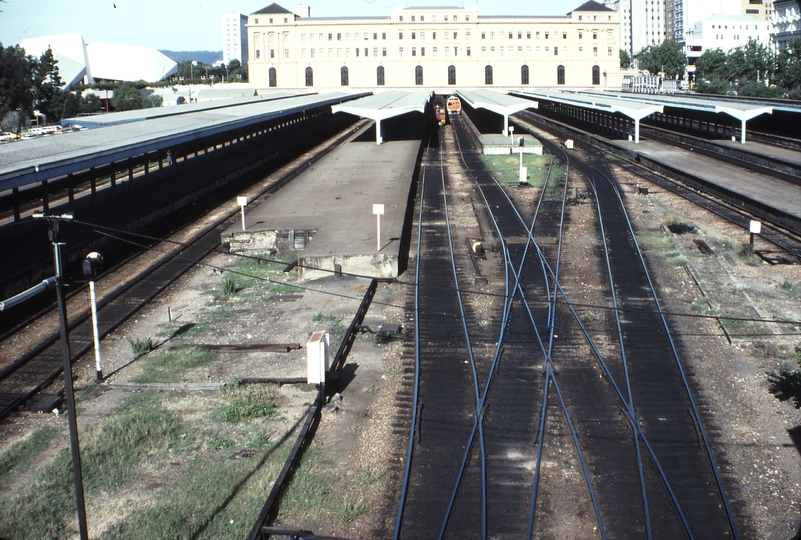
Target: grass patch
[(368, 477), (173, 365), (210, 501), (309, 492), (218, 443), (742, 328), (250, 401), (506, 168), (113, 452), (17, 457)]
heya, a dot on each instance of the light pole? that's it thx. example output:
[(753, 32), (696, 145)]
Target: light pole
[(53, 222)]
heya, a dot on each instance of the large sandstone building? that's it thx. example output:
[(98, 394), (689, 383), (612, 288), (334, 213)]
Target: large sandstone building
[(441, 48)]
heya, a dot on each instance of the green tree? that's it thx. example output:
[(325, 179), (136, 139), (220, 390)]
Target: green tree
[(90, 104), (16, 77), (49, 98), (713, 85), (126, 98), (71, 105), (711, 64), (752, 62), (625, 59), (667, 59), (788, 69)]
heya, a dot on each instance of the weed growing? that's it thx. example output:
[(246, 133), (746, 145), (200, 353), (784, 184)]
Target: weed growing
[(174, 365), (334, 325), (141, 346), (250, 401)]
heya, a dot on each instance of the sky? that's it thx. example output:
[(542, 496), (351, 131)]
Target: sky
[(193, 25)]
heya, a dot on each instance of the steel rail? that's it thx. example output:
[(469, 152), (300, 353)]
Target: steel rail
[(416, 391), (550, 375), (596, 353), (677, 360), (471, 358), (624, 359), (772, 233)]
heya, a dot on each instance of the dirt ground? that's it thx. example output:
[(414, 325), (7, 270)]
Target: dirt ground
[(752, 430)]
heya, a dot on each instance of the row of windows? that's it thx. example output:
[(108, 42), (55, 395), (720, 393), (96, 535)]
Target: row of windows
[(433, 18), (359, 36), (344, 75), (358, 52)]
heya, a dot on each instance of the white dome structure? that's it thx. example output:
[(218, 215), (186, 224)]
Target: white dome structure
[(78, 61), (68, 49), (128, 63)]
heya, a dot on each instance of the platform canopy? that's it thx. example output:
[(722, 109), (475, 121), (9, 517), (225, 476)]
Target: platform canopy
[(633, 109), (739, 110), (503, 104), (385, 105), (37, 160)]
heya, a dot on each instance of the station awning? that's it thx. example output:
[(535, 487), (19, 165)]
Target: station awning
[(635, 110), (385, 105), (503, 104), (738, 110)]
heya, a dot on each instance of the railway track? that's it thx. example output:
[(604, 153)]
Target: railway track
[(551, 432), (783, 240), (38, 366)]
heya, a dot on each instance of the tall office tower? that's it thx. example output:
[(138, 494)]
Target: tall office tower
[(647, 23), (235, 38), (688, 12), (623, 9)]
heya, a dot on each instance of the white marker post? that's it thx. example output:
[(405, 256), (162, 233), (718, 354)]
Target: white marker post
[(243, 202), (378, 210), (755, 228), (511, 134)]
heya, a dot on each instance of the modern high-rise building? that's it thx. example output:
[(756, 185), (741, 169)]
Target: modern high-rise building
[(235, 38), (439, 48), (647, 24), (623, 9), (786, 21)]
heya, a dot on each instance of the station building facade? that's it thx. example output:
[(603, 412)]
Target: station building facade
[(440, 48)]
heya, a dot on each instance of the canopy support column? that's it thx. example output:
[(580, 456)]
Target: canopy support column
[(378, 136)]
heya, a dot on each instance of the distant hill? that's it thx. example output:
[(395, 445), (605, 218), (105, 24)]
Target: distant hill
[(205, 57)]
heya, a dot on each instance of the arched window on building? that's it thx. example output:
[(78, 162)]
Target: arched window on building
[(524, 74), (273, 78), (488, 75), (596, 75), (418, 75), (451, 74), (379, 76), (343, 76), (309, 76), (560, 75)]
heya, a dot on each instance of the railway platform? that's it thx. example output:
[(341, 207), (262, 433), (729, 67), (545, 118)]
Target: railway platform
[(324, 218), (756, 189)]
